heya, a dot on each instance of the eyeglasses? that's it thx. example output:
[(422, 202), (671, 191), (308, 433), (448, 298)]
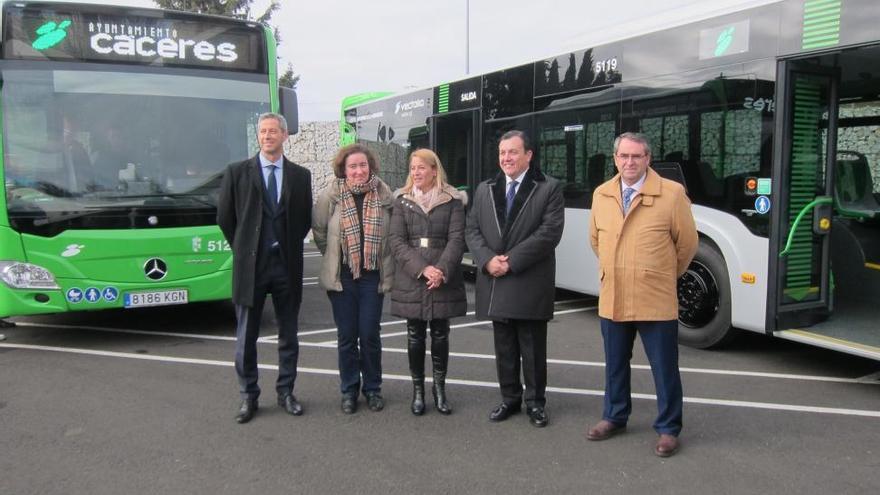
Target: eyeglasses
[(625, 157)]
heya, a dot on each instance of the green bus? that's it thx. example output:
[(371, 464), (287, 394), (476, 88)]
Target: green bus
[(769, 115), (117, 126)]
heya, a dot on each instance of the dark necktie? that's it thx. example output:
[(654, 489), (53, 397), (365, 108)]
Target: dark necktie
[(511, 192), (273, 187), (627, 198)]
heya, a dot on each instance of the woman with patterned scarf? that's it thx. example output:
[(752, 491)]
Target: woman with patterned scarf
[(350, 224), (427, 237)]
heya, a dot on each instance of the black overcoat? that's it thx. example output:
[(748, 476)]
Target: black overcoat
[(240, 215), (529, 237)]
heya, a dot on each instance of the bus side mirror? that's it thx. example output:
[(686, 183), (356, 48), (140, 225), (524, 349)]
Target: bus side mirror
[(287, 98)]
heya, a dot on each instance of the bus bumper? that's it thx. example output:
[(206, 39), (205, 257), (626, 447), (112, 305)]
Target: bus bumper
[(24, 302)]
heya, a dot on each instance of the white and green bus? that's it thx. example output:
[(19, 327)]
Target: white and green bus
[(117, 124), (770, 116)]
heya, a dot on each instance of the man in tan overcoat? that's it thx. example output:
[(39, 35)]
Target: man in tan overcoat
[(643, 232)]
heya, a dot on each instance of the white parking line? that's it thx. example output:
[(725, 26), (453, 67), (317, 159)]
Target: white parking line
[(871, 378), (576, 310), (128, 331), (462, 325), (331, 344), (469, 313), (473, 383), (572, 301)]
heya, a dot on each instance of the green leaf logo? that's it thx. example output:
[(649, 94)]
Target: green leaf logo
[(724, 40), (50, 34)]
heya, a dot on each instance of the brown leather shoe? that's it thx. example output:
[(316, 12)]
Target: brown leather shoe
[(604, 430), (667, 445)]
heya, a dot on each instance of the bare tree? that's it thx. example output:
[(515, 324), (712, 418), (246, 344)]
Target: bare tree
[(239, 9)]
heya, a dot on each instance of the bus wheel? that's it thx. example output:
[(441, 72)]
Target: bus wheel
[(704, 301)]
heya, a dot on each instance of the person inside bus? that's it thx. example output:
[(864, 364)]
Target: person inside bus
[(427, 239), (76, 160), (514, 225), (111, 157), (643, 231), (350, 227), (265, 212)]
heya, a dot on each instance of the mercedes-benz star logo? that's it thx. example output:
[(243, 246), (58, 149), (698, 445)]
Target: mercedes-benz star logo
[(155, 269)]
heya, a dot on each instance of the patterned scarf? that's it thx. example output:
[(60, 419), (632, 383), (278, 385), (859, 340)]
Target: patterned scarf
[(424, 199), (351, 227)]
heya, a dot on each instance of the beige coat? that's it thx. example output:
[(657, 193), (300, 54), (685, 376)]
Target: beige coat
[(326, 221), (642, 256)]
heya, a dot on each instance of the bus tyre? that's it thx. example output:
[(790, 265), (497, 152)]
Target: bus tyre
[(704, 301)]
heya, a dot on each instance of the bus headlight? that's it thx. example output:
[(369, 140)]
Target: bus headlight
[(20, 275)]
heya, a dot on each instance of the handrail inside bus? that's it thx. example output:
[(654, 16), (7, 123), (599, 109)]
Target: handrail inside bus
[(821, 200)]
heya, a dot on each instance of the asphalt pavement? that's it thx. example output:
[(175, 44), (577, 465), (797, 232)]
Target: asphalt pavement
[(143, 401)]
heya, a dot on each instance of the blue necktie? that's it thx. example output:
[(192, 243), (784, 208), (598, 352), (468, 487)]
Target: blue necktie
[(627, 198), (273, 187), (511, 192)]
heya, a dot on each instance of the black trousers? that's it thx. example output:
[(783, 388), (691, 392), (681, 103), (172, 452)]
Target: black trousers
[(271, 279), (525, 342)]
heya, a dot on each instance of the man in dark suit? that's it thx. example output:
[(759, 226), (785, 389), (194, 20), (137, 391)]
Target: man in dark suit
[(513, 227), (265, 211)]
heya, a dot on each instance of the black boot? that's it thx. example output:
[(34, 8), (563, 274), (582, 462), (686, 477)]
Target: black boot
[(415, 350), (418, 402), (440, 360)]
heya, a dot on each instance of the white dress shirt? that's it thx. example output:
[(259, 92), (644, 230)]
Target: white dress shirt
[(279, 172)]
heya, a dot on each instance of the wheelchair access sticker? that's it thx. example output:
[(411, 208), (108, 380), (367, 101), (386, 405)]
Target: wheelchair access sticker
[(110, 294)]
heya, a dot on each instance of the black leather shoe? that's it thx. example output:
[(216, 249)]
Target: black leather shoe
[(246, 411), (375, 401), (349, 404), (538, 416), (503, 411), (290, 404)]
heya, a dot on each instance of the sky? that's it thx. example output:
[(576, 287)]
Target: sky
[(344, 47)]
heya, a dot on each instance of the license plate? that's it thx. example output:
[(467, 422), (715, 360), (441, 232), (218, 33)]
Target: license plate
[(155, 298)]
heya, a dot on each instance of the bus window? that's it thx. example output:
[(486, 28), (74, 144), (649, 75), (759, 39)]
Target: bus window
[(668, 135), (719, 132), (857, 181), (575, 147), (859, 131), (508, 92)]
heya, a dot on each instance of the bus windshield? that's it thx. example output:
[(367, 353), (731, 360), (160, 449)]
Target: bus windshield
[(96, 148)]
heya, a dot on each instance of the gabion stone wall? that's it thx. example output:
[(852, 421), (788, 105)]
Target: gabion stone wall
[(864, 139), (313, 147)]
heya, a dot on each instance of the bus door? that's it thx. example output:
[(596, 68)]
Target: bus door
[(801, 203), (826, 197), (454, 137)]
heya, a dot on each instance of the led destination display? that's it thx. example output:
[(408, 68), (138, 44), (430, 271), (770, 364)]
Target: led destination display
[(104, 37)]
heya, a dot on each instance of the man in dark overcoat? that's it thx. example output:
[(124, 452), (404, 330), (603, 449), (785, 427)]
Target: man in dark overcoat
[(265, 211), (513, 228)]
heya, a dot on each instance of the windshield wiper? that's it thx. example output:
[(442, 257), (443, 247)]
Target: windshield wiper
[(194, 197)]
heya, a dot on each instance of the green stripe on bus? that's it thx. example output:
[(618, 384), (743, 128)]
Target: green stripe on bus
[(821, 24), (443, 99)]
